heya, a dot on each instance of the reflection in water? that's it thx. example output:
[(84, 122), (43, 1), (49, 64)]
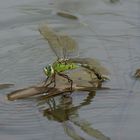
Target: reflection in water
[(66, 112)]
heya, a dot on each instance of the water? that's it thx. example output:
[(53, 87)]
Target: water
[(107, 31)]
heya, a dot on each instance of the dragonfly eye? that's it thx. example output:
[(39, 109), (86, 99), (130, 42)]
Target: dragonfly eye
[(48, 70)]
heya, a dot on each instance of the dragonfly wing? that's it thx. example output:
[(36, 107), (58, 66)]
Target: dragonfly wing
[(62, 45), (52, 39), (70, 46)]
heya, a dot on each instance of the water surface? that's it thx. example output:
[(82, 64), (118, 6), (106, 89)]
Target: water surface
[(104, 30)]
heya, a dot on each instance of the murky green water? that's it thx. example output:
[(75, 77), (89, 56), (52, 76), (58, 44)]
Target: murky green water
[(107, 31)]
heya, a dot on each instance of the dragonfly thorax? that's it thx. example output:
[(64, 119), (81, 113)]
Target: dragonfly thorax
[(58, 67)]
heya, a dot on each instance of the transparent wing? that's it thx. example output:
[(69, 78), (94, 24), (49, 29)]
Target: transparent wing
[(69, 46), (62, 45)]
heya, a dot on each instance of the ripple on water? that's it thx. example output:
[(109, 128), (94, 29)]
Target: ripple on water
[(20, 118)]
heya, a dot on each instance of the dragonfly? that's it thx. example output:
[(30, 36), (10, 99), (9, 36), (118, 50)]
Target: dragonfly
[(65, 49)]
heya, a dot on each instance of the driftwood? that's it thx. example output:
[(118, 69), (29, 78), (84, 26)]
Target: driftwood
[(36, 90)]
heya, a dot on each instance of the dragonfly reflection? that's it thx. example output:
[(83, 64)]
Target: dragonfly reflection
[(66, 113)]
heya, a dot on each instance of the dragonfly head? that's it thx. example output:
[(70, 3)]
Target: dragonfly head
[(48, 70)]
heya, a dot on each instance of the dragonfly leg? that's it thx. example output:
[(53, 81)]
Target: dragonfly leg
[(45, 82), (69, 80), (52, 80)]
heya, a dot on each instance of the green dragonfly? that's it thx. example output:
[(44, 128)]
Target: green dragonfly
[(65, 48)]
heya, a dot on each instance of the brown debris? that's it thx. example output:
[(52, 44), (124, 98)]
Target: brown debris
[(137, 73)]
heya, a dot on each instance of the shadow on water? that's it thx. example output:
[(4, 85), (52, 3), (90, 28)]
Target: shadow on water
[(65, 112)]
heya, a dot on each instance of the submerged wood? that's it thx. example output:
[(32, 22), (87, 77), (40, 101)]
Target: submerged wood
[(67, 15), (137, 73)]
